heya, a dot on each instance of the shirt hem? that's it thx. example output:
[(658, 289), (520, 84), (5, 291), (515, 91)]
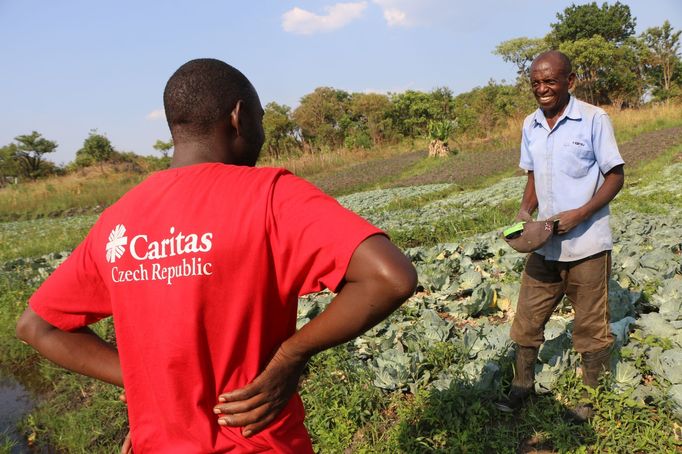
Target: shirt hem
[(579, 257)]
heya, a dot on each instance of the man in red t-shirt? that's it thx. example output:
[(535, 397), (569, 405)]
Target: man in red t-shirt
[(201, 266)]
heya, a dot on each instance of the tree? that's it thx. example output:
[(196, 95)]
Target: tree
[(590, 58), (606, 73), (163, 147), (614, 23), (442, 103), (369, 112), (624, 80), (322, 117), (280, 130), (96, 149), (9, 165), (412, 110), (664, 46), (30, 150), (410, 113), (521, 52), (483, 110)]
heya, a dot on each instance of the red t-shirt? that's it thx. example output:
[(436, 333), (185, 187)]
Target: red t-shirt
[(201, 267)]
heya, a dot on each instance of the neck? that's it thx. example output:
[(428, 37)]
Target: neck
[(188, 154), (200, 152), (553, 115)]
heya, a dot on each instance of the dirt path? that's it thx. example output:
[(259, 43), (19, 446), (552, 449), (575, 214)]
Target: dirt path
[(649, 145), (367, 173), (468, 168)]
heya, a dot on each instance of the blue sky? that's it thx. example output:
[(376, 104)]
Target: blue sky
[(71, 66)]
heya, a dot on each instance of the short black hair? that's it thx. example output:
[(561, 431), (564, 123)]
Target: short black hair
[(201, 92), (566, 65)]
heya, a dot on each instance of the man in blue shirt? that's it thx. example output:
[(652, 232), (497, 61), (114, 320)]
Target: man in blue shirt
[(574, 170)]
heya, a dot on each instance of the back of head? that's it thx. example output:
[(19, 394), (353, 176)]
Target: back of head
[(201, 93)]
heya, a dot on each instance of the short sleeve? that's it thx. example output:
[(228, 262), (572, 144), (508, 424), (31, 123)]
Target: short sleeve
[(312, 236), (74, 295), (604, 142), (526, 161)]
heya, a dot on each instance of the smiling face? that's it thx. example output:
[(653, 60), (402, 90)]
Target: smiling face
[(550, 80)]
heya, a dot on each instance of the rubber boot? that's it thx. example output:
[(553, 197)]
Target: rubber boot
[(524, 380), (594, 365)]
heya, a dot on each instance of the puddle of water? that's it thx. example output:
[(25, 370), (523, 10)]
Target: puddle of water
[(15, 402)]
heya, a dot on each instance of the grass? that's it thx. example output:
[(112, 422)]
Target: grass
[(449, 229), (464, 420), (345, 411), (629, 123), (424, 166), (80, 192), (84, 416), (80, 414), (310, 165), (6, 444), (658, 202), (343, 406), (418, 201), (42, 236), (90, 190)]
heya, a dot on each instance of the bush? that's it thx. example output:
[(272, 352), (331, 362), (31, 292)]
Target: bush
[(441, 130), (358, 139)]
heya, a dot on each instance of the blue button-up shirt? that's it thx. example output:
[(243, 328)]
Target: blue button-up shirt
[(569, 162)]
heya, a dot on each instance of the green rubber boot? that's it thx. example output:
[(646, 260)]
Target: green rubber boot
[(595, 364), (523, 382)]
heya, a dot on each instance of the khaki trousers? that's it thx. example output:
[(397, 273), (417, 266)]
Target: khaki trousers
[(585, 284)]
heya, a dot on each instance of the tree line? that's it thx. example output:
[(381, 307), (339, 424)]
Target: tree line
[(26, 157), (613, 67)]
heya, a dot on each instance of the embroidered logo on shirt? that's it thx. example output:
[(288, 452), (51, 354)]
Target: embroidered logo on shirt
[(580, 144), (117, 241)]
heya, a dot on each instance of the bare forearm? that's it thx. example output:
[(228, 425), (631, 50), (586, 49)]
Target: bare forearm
[(379, 279), (529, 202), (613, 182), (354, 310), (81, 351)]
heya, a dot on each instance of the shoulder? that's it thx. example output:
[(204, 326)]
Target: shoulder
[(529, 120), (295, 188), (253, 174), (588, 110)]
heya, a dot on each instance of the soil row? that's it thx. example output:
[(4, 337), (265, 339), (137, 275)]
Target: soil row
[(468, 168)]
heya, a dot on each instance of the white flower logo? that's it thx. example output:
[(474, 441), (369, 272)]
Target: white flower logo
[(116, 242)]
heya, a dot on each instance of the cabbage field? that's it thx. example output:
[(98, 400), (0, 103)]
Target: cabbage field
[(469, 290), (424, 380)]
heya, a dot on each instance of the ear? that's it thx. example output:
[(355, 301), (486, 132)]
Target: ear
[(571, 81), (235, 119)]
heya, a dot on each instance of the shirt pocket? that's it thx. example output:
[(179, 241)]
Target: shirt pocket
[(576, 159)]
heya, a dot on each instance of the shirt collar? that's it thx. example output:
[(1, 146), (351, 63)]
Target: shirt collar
[(572, 111)]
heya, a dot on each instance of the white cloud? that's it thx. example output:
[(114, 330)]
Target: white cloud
[(398, 13), (411, 13), (157, 114), (395, 17), (304, 22)]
